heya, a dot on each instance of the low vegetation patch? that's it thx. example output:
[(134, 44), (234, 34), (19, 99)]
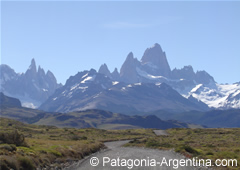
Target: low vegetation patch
[(202, 143), (24, 146)]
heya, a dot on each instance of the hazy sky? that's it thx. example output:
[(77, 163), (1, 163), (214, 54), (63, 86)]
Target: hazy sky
[(67, 37)]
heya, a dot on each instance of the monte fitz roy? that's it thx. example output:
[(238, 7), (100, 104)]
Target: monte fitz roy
[(143, 86)]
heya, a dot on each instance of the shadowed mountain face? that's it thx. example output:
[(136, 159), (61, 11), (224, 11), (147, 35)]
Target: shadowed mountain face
[(9, 101), (91, 90), (155, 62), (11, 108), (32, 87), (83, 119)]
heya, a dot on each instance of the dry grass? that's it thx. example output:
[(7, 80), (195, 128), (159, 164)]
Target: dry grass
[(202, 143), (47, 145)]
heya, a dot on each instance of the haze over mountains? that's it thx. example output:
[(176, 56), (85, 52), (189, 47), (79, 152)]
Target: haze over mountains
[(140, 86)]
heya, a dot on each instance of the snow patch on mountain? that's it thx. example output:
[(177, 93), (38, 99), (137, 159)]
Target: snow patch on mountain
[(89, 78), (148, 76), (115, 83), (222, 96)]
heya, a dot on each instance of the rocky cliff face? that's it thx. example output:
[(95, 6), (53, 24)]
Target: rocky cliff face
[(32, 87), (154, 67), (128, 72), (104, 70), (154, 62)]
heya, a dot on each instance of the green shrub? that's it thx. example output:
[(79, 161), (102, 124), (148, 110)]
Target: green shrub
[(25, 163), (8, 162), (191, 150), (209, 153), (8, 147), (188, 149), (152, 143), (13, 137)]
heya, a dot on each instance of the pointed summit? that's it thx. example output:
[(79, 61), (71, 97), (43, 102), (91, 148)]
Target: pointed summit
[(130, 56), (115, 75), (155, 61), (33, 66), (153, 54), (41, 71), (104, 70), (157, 46), (128, 71), (32, 70)]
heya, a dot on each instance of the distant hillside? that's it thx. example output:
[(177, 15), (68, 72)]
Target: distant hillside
[(213, 119), (9, 101), (89, 118), (100, 118)]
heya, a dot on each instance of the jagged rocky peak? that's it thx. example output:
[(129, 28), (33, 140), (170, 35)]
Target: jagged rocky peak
[(41, 71), (32, 87), (32, 70), (7, 73), (152, 54), (130, 57), (128, 71), (155, 61), (104, 70), (186, 72), (128, 64), (202, 77), (115, 75), (33, 67), (115, 71)]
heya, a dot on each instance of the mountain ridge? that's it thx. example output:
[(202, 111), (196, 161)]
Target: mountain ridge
[(150, 70), (92, 90), (32, 87)]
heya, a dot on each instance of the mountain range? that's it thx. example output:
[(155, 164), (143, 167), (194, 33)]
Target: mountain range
[(142, 86), (32, 87), (199, 86), (92, 90)]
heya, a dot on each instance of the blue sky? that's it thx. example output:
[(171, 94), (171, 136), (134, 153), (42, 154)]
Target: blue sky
[(67, 37)]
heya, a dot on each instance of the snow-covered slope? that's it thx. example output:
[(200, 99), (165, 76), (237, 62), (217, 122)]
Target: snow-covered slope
[(221, 96)]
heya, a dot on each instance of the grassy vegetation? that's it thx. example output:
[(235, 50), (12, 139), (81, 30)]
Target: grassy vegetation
[(24, 146), (202, 143)]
